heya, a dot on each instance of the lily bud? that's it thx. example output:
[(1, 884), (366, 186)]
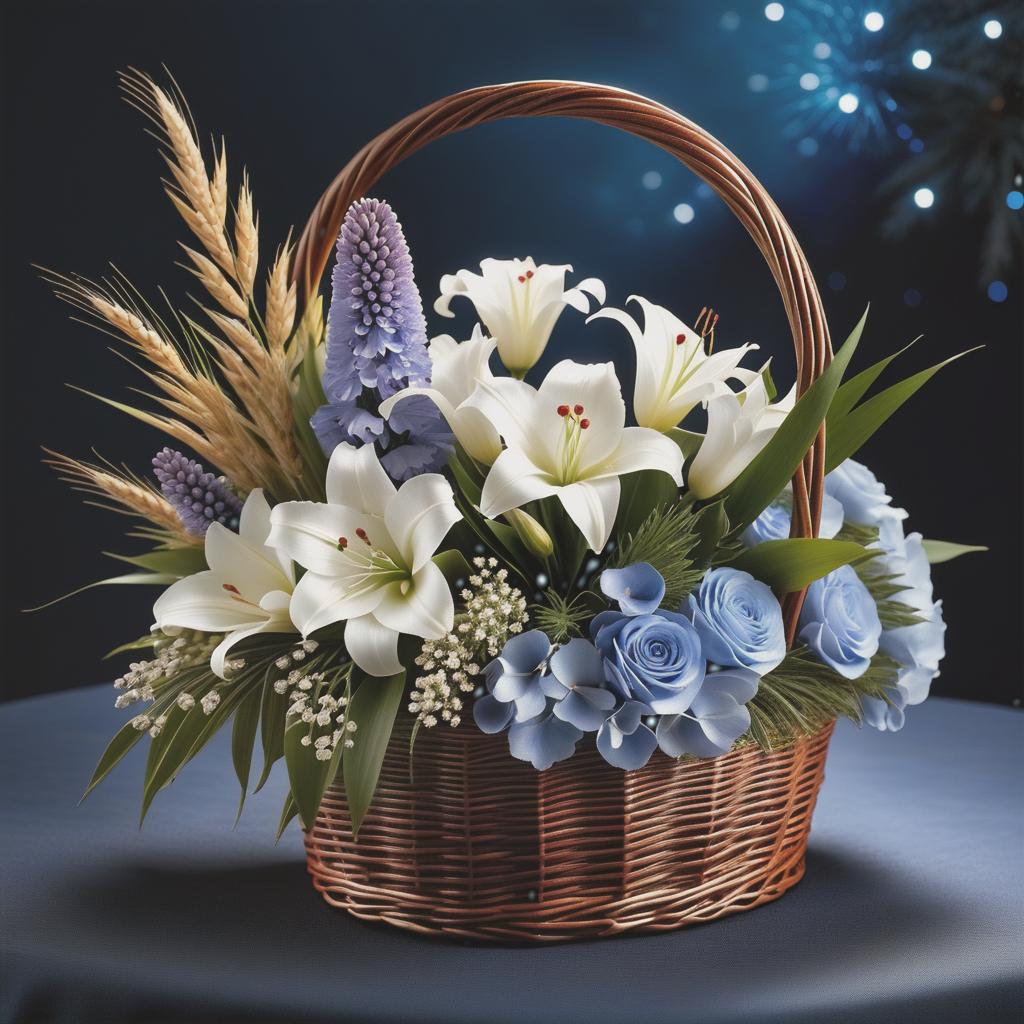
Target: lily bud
[(530, 532)]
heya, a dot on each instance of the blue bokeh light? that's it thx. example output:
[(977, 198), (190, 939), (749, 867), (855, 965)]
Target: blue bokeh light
[(997, 291)]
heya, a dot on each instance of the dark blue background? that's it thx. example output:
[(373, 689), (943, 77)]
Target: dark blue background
[(298, 87)]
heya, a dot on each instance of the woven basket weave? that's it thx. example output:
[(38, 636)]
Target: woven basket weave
[(468, 842)]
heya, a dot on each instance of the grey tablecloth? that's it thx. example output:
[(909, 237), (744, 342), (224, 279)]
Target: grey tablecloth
[(911, 909)]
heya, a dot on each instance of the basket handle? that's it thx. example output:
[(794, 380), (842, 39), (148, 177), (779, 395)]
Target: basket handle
[(690, 144)]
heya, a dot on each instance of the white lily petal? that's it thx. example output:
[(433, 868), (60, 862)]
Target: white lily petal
[(310, 533), (643, 448), (219, 657), (201, 602), (419, 516), (356, 478), (373, 647), (592, 505), (422, 606), (252, 568), (508, 404), (513, 480), (445, 407), (320, 600)]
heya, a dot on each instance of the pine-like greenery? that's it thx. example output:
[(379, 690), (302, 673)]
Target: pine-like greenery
[(561, 619), (802, 694), (665, 540)]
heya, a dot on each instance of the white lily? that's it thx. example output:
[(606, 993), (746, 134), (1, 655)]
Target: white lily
[(456, 370), (739, 426), (246, 590), (519, 303), (674, 373), (368, 555), (568, 438)]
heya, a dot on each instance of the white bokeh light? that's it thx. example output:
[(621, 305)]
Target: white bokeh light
[(924, 198), (921, 59), (809, 81), (683, 213), (651, 180), (774, 12), (822, 51), (848, 103), (993, 28), (873, 21)]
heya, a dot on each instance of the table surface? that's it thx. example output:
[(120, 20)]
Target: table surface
[(911, 908)]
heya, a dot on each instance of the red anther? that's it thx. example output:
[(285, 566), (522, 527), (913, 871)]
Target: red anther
[(529, 274), (342, 543), (680, 339), (230, 588), (584, 424), (578, 409), (361, 534), (563, 410), (522, 280)]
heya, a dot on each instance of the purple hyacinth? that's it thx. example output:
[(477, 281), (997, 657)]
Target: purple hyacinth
[(376, 345), (198, 497)]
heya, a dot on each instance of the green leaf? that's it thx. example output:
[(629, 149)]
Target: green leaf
[(273, 708), (373, 708), (306, 775), (789, 565), (288, 811), (463, 477), (243, 740), (853, 390), (767, 475), (847, 434), (124, 739), (176, 562), (945, 550), (142, 644), (142, 578), (710, 524), (642, 493), (689, 442), (453, 564)]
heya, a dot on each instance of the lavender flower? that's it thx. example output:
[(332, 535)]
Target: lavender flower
[(198, 497), (376, 346)]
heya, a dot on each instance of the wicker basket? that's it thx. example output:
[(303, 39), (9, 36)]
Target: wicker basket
[(467, 842)]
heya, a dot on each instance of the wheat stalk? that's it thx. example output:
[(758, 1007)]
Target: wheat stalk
[(131, 495), (246, 239), (280, 318), (214, 281)]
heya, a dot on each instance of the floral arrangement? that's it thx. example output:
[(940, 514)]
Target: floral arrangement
[(405, 532)]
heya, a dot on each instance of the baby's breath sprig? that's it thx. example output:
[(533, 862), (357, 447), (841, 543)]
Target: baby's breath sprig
[(318, 693), (146, 680), (493, 612)]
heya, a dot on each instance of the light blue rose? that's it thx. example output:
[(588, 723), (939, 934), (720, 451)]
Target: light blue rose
[(577, 685), (774, 522), (655, 659), (625, 740), (715, 720), (513, 682), (861, 494), (839, 622), (739, 621), (638, 589)]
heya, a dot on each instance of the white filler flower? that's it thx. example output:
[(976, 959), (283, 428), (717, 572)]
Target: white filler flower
[(674, 373), (519, 303), (245, 591), (456, 370), (739, 426), (368, 555), (568, 438)]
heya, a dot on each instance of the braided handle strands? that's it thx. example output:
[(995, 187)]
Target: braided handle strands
[(693, 146), (464, 841)]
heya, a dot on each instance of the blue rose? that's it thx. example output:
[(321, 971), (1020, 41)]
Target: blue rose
[(861, 494), (625, 740), (839, 622), (578, 687), (513, 683), (739, 621), (655, 659), (715, 720), (774, 522)]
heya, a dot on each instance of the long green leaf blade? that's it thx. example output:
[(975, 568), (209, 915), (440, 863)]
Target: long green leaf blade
[(373, 708), (767, 475), (789, 565), (945, 550), (243, 740), (853, 390), (846, 436)]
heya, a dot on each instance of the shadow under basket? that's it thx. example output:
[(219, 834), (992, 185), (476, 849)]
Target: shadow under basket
[(467, 842)]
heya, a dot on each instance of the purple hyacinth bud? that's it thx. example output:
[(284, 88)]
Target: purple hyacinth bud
[(376, 315), (198, 497)]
